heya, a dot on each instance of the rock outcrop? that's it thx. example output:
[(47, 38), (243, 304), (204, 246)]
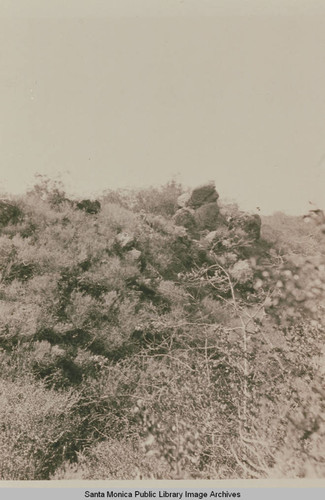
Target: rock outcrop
[(185, 217), (182, 200), (134, 255), (206, 216), (125, 241), (198, 209), (203, 195), (199, 212)]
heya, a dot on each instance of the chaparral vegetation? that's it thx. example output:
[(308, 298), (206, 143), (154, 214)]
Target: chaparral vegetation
[(159, 333)]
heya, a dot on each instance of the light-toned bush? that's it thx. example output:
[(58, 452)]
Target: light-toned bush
[(37, 430)]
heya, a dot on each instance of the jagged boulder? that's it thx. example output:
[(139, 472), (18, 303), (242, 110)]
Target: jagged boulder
[(9, 213), (183, 199), (206, 216), (134, 255), (203, 195), (125, 241), (185, 217), (88, 206)]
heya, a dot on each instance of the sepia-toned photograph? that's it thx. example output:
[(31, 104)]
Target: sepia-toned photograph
[(162, 240)]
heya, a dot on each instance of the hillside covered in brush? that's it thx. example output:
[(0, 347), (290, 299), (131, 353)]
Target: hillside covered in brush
[(159, 333)]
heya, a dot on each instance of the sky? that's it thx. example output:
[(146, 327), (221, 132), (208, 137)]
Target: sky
[(133, 93)]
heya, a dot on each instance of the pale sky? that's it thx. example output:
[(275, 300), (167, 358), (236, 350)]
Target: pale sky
[(133, 93)]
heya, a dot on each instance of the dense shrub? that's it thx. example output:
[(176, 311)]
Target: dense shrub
[(113, 459), (125, 340), (9, 213), (158, 201), (38, 429)]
